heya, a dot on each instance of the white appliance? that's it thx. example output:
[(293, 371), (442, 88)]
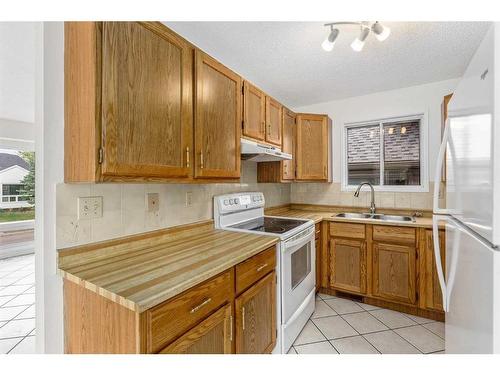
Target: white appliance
[(251, 150), (470, 284), (295, 255)]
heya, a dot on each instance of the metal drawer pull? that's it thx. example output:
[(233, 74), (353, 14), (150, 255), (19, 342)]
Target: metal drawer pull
[(195, 309), (260, 268), (187, 157)]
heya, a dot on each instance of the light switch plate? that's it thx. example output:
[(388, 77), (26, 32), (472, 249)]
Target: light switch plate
[(89, 208), (153, 202)]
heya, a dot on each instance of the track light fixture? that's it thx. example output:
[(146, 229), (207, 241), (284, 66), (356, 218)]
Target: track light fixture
[(381, 33)]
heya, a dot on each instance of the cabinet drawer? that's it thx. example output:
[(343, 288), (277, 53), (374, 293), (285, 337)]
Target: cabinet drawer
[(347, 230), (174, 317), (402, 235), (251, 270)]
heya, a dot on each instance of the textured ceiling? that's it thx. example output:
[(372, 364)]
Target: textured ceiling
[(286, 59)]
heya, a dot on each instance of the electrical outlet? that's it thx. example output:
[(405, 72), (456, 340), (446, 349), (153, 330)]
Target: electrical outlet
[(153, 202), (189, 198), (89, 208)]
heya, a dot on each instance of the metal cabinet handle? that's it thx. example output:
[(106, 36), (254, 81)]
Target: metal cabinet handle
[(187, 157), (261, 267), (243, 318), (196, 308), (201, 160), (268, 129)]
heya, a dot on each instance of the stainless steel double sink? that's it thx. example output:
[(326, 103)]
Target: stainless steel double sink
[(381, 217)]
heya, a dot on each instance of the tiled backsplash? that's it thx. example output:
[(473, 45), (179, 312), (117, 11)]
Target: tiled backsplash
[(331, 194), (124, 206)]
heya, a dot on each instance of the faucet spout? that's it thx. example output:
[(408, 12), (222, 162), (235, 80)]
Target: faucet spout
[(372, 204)]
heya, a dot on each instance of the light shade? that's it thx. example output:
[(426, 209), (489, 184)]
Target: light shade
[(358, 43), (329, 42), (381, 32)]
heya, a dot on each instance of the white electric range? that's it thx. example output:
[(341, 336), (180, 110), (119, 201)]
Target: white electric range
[(244, 212)]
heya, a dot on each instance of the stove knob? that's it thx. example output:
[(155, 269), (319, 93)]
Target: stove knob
[(226, 202), (254, 198), (236, 201), (231, 201)]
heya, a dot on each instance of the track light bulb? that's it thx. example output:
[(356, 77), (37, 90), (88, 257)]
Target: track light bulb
[(381, 32), (358, 43), (329, 42)]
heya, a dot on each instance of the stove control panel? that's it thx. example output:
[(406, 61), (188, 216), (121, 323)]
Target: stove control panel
[(238, 202)]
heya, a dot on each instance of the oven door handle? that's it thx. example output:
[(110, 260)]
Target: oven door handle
[(304, 239)]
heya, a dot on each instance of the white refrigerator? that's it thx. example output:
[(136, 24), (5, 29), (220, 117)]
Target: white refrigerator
[(470, 279)]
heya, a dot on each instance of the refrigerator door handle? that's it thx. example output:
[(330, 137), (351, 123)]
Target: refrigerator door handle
[(439, 168), (437, 258)]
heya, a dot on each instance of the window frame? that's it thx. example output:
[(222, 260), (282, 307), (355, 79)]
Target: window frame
[(424, 154)]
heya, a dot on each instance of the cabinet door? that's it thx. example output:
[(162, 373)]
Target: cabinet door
[(394, 272), (348, 265), (317, 244), (433, 296), (146, 102), (288, 166), (217, 119), (273, 121), (256, 317), (312, 147), (214, 335), (254, 112)]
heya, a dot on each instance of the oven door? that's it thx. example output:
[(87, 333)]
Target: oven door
[(298, 271)]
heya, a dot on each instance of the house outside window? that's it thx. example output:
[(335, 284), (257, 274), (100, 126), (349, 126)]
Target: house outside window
[(12, 171), (389, 153)]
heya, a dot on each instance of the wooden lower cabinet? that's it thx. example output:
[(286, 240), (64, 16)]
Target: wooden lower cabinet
[(213, 317), (212, 336), (392, 266), (348, 264), (318, 251), (394, 272), (431, 296), (256, 317)]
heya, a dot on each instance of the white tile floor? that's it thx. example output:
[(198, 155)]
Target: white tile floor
[(348, 327), (17, 305)]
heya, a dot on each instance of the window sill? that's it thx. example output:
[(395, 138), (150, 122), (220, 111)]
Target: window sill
[(390, 189)]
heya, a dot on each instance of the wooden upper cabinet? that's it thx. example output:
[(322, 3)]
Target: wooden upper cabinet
[(433, 298), (348, 265), (146, 102), (273, 121), (254, 112), (394, 272), (212, 336), (313, 147), (217, 119), (256, 317), (289, 134)]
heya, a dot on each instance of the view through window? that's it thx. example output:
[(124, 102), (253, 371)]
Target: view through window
[(386, 153)]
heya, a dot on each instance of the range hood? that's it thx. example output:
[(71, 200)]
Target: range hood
[(251, 150)]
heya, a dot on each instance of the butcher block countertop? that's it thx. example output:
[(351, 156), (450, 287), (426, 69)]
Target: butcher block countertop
[(320, 213), (144, 270)]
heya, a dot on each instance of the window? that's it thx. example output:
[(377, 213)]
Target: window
[(11, 189), (386, 153)]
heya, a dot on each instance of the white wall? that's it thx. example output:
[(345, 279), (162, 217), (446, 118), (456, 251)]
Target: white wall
[(424, 99), (49, 120), (407, 101), (17, 85)]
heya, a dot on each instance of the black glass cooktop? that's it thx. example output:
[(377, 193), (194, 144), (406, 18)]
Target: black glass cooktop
[(270, 224)]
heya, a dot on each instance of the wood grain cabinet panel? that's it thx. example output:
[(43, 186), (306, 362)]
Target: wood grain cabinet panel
[(289, 135), (146, 102), (399, 235), (256, 317), (273, 121), (313, 147), (348, 265), (212, 336), (350, 230), (170, 319), (251, 270), (394, 272), (433, 298), (254, 112), (217, 119)]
